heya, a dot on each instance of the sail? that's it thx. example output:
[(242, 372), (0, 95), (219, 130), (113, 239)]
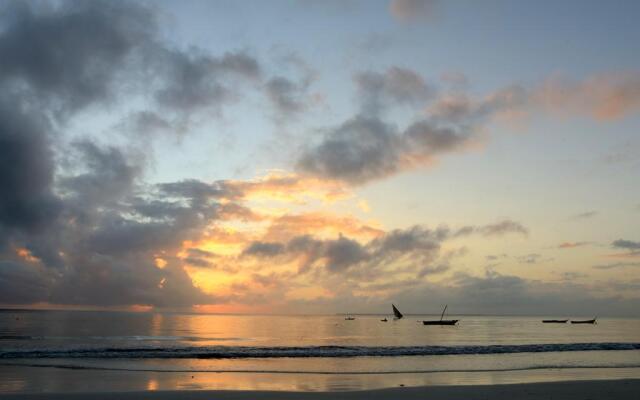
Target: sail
[(396, 312)]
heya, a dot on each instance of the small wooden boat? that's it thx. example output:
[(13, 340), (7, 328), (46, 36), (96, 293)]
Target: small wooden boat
[(349, 318), (585, 321), (396, 313), (441, 321), (383, 320), (554, 321)]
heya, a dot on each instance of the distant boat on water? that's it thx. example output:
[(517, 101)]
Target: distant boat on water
[(554, 321), (383, 320), (396, 313), (349, 318), (441, 321), (585, 321)]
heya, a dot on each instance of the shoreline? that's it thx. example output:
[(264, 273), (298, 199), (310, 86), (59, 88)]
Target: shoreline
[(53, 381), (569, 390)]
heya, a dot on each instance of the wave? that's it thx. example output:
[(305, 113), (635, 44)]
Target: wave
[(119, 338), (226, 352), (319, 372)]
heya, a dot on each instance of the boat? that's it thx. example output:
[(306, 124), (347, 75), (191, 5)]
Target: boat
[(383, 320), (441, 321), (585, 321), (349, 318), (554, 321), (397, 314)]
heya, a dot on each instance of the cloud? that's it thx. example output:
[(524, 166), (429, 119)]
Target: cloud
[(75, 51), (289, 92), (285, 95), (632, 247), (532, 258), (264, 249), (411, 10), (626, 244), (503, 227), (571, 245), (617, 265), (109, 174), (404, 249), (21, 285), (433, 270), (26, 170), (366, 148), (495, 293), (194, 81), (584, 215), (77, 225), (606, 96), (415, 251), (572, 275), (396, 85), (499, 228)]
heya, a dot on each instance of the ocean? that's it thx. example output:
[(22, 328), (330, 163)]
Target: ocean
[(82, 350)]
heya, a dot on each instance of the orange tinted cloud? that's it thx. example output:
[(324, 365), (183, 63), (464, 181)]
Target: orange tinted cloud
[(26, 255), (570, 245), (606, 96), (320, 224), (290, 187)]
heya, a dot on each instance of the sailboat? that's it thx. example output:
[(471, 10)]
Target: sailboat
[(396, 313), (441, 321)]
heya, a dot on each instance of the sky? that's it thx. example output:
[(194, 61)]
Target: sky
[(307, 156)]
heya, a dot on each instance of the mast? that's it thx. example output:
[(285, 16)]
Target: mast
[(445, 309)]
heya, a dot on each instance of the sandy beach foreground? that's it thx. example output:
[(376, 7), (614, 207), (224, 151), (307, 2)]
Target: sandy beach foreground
[(605, 389)]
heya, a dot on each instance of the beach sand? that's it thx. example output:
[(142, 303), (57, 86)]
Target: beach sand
[(574, 390)]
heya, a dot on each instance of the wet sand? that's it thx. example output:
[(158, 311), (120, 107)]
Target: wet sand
[(574, 390)]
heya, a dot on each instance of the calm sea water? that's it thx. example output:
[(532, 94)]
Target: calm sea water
[(35, 346)]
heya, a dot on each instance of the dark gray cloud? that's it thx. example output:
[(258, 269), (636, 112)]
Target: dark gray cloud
[(626, 244), (69, 55), (26, 169), (289, 92), (402, 86), (617, 265), (505, 226), (77, 224), (194, 81), (286, 95), (433, 270), (264, 249), (413, 251), (359, 150), (532, 258), (496, 293), (343, 253), (191, 188), (632, 247), (108, 177), (365, 147), (22, 285), (584, 215)]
